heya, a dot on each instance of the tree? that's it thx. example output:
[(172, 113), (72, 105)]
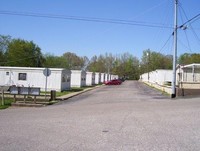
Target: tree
[(187, 58), (127, 66), (52, 61), (93, 64), (74, 62), (152, 60), (4, 42), (24, 54), (100, 64)]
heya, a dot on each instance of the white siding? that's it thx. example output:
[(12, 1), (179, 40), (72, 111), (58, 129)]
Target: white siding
[(78, 78), (97, 77), (102, 77), (158, 76), (90, 78), (34, 78)]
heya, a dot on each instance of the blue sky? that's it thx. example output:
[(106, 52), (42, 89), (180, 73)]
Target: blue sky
[(57, 36)]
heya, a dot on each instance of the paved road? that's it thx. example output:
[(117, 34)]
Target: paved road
[(129, 117)]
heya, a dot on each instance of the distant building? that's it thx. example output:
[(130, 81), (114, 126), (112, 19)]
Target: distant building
[(114, 77)]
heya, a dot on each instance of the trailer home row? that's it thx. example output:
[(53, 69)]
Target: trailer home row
[(159, 76), (53, 79), (187, 79)]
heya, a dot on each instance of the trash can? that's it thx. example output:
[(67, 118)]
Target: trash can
[(53, 95)]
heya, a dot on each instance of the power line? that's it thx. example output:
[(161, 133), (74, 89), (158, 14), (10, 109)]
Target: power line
[(166, 43), (195, 17), (190, 21), (88, 19), (187, 39)]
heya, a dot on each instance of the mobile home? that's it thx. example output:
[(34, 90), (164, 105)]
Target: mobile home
[(159, 76), (188, 76), (90, 78), (102, 77), (78, 78), (57, 79), (97, 78), (114, 77), (106, 77)]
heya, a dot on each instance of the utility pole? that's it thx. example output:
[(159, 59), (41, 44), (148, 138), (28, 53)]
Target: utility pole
[(148, 62), (175, 49)]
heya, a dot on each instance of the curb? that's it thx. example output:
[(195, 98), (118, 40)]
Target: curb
[(26, 105), (65, 97)]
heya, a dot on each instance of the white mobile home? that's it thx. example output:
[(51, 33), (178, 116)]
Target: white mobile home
[(160, 76), (109, 77), (189, 73), (114, 77), (58, 79), (90, 78), (163, 76), (102, 77), (188, 76), (97, 77), (78, 78), (106, 77)]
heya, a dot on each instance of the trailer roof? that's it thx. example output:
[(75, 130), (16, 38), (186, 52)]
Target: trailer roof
[(30, 68), (196, 65)]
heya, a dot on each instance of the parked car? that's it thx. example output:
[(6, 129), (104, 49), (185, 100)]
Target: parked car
[(113, 82)]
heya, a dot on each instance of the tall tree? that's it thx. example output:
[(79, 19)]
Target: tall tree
[(187, 58), (24, 53), (93, 64), (74, 62), (152, 60), (125, 65), (4, 42), (128, 66), (52, 61)]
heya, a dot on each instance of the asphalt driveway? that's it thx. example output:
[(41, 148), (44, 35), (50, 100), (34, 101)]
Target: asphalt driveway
[(127, 117)]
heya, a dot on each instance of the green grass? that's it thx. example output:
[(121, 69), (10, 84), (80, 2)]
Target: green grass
[(73, 89), (7, 103), (69, 91), (52, 102), (164, 93)]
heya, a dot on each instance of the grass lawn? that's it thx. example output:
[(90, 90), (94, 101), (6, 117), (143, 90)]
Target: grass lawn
[(72, 90), (7, 103), (69, 91)]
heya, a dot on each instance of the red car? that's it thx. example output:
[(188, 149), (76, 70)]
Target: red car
[(113, 82)]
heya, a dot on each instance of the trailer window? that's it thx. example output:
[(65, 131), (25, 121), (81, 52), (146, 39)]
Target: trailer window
[(7, 73), (22, 76)]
